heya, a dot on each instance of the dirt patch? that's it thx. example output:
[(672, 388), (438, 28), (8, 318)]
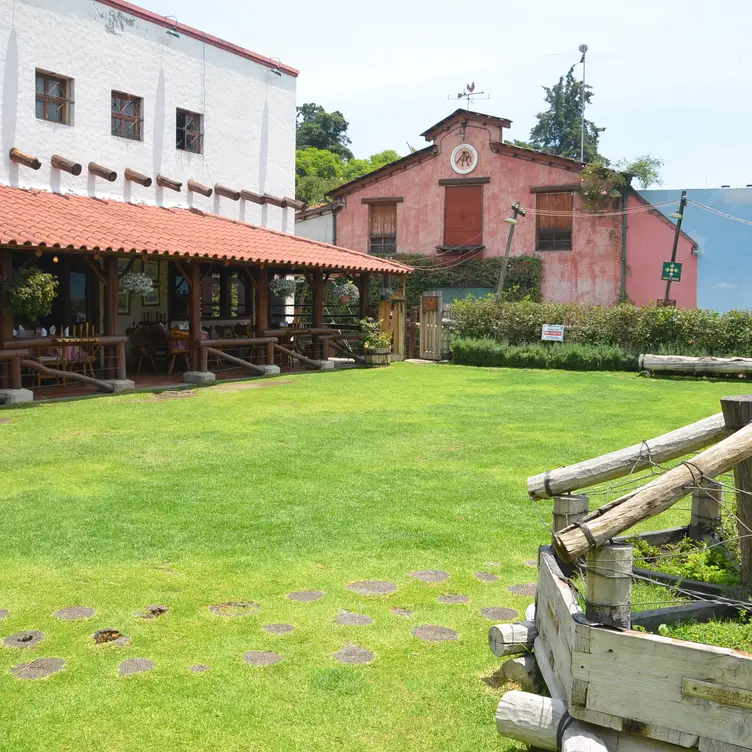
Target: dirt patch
[(41, 668), (153, 612), (115, 636), (532, 563), (4, 613), (262, 658), (28, 639), (306, 596), (372, 587), (486, 576), (199, 668), (499, 613), (279, 629), (354, 654), (435, 633), (454, 599), (73, 613), (132, 666), (349, 619), (402, 612), (170, 394), (430, 575), (251, 385), (234, 608), (528, 589), (3, 421)]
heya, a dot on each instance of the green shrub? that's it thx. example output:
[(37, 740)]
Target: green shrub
[(30, 293), (568, 357)]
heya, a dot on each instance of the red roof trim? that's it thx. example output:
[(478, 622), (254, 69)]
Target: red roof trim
[(189, 31)]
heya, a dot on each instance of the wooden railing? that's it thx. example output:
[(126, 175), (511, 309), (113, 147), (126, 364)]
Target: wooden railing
[(216, 348), (15, 357)]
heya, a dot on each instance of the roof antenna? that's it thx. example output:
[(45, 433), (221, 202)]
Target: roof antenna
[(469, 94)]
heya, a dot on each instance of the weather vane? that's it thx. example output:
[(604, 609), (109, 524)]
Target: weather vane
[(469, 94)]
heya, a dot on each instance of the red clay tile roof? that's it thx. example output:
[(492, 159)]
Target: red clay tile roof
[(51, 220)]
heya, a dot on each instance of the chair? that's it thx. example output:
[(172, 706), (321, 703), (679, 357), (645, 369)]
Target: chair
[(83, 350), (180, 346)]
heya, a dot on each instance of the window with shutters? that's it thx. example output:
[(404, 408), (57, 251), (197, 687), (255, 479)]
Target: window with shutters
[(554, 221), (382, 219), (463, 216)]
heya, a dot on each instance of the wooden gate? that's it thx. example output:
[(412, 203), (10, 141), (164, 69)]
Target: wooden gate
[(430, 325)]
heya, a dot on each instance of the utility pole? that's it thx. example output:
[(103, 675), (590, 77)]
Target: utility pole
[(511, 221), (583, 49), (678, 216)]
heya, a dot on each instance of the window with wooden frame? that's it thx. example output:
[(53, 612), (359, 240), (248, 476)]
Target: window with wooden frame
[(463, 216), (53, 97), (554, 221), (189, 131), (126, 115), (382, 220)]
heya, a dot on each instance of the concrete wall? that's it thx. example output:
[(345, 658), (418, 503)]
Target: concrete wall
[(249, 112), (318, 227)]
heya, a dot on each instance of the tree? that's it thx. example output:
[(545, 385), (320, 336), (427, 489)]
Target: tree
[(317, 128), (559, 128)]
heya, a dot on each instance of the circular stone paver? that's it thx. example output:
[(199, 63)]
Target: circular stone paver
[(279, 629), (499, 613), (27, 639), (349, 619), (262, 658), (430, 575), (435, 633), (529, 589), (372, 587), (486, 576), (306, 596), (132, 666), (402, 612), (199, 668), (455, 599), (38, 669), (4, 613), (153, 612), (353, 654), (73, 613), (234, 608)]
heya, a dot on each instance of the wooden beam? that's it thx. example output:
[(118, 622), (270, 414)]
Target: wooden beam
[(6, 318), (274, 200), (111, 290), (236, 361), (194, 313), (196, 187), (565, 188), (137, 177), (35, 365), (26, 160), (511, 639), (609, 585), (364, 288), (297, 356), (225, 293), (256, 198), (102, 172), (223, 190), (464, 181), (66, 165), (686, 364), (294, 203), (383, 200), (263, 302), (187, 277), (164, 182), (96, 268)]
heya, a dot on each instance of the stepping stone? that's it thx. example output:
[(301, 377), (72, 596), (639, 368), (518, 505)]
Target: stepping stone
[(132, 666), (454, 599), (199, 668), (108, 634), (262, 658), (372, 587), (306, 596), (354, 654), (234, 608), (435, 633), (4, 613), (529, 589), (486, 576), (27, 639), (38, 669), (499, 613), (153, 612), (349, 619), (279, 629), (73, 613), (402, 612), (430, 575)]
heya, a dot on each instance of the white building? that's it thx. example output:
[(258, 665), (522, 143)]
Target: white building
[(317, 223), (104, 82)]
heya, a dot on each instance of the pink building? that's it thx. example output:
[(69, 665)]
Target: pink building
[(450, 199)]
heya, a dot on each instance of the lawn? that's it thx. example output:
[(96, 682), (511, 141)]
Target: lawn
[(306, 482)]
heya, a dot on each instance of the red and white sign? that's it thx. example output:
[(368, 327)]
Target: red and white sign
[(552, 333)]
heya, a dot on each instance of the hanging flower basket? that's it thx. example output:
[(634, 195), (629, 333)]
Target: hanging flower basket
[(282, 288), (346, 292), (30, 293), (386, 293), (136, 283)]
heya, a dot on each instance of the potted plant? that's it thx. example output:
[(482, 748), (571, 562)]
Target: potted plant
[(386, 293), (30, 293), (136, 283), (346, 292), (377, 345), (282, 287)]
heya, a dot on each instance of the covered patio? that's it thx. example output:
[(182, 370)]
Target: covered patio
[(226, 300)]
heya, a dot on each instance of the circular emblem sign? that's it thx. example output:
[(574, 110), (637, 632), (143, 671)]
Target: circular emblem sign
[(464, 159)]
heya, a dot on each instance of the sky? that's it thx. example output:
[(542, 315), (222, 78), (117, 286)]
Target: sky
[(670, 79)]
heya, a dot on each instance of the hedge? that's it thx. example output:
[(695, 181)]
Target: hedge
[(569, 357), (680, 331)]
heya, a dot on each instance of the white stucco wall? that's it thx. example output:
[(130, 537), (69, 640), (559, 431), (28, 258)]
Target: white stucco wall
[(249, 111), (319, 227)]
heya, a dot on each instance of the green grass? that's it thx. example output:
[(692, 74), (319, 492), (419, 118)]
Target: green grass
[(119, 503)]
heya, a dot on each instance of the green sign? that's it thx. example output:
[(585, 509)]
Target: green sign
[(671, 271)]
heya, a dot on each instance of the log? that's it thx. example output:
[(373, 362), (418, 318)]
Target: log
[(66, 165), (663, 448), (195, 187), (256, 198), (609, 585), (102, 172), (274, 200), (237, 361), (294, 203), (26, 160), (510, 639), (685, 364), (298, 356), (34, 365), (227, 192), (339, 346), (164, 182), (520, 670), (654, 497), (137, 177)]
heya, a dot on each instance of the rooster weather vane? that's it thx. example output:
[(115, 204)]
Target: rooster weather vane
[(469, 94)]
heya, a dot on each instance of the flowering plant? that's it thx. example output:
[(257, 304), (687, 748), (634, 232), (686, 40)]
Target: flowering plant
[(281, 287), (136, 283), (30, 293), (376, 337), (346, 290)]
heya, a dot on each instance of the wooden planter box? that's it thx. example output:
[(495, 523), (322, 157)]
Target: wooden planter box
[(378, 357)]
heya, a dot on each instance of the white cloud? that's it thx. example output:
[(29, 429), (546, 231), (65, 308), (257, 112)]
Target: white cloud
[(724, 286)]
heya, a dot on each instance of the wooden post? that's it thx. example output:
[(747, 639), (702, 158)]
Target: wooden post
[(111, 288), (194, 312), (569, 509), (262, 309), (120, 355), (317, 316), (204, 360), (706, 510), (609, 585), (137, 177), (225, 292), (737, 412), (412, 337), (6, 319), (364, 287)]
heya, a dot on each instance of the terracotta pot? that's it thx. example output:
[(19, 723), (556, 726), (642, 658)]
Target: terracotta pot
[(345, 299), (379, 356)]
